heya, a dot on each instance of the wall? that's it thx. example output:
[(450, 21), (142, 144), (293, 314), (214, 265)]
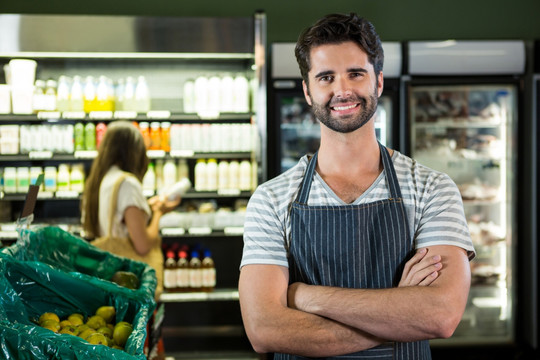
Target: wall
[(394, 19)]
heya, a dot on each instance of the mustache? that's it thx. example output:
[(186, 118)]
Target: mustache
[(337, 101)]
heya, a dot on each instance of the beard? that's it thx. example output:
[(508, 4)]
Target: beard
[(350, 123)]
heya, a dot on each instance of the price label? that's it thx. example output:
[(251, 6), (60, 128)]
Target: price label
[(125, 114), (85, 154), (158, 114), (155, 154), (173, 231), (234, 230), (74, 115), (182, 153), (200, 231), (40, 154), (48, 115), (100, 115)]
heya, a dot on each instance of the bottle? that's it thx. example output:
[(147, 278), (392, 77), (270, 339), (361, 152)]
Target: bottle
[(182, 272), (76, 98), (142, 96), (195, 272), (223, 175), (165, 136), (177, 189), (62, 94), (10, 180), (102, 95), (38, 97), (214, 95), (200, 175), (155, 136), (89, 94), (189, 96), (119, 95), (129, 94), (159, 173), (145, 131), (149, 179), (244, 182), (76, 178), (234, 175), (226, 97), (78, 136), (183, 169), (208, 272), (35, 171), (201, 94), (50, 96), (241, 94), (90, 136), (66, 134), (169, 272), (25, 139), (62, 179), (50, 179), (211, 175), (101, 128), (169, 174)]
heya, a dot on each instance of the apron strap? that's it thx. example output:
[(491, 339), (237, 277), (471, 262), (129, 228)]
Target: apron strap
[(391, 177)]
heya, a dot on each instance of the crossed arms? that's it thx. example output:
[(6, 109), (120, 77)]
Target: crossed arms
[(316, 321)]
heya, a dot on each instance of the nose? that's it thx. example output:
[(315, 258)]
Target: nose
[(342, 87)]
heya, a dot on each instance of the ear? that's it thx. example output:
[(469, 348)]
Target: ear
[(306, 93), (380, 83)]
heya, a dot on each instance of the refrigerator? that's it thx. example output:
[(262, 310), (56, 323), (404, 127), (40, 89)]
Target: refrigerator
[(292, 129), (465, 117)]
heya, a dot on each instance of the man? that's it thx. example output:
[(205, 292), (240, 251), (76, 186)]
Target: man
[(327, 267)]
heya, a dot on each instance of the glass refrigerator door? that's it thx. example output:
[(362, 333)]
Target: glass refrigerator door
[(300, 132), (466, 132)]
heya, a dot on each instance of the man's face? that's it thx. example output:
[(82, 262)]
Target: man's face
[(343, 88)]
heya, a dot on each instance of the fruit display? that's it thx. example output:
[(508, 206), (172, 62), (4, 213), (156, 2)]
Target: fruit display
[(98, 329)]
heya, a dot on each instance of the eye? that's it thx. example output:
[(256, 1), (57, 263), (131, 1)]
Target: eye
[(326, 78), (355, 75)]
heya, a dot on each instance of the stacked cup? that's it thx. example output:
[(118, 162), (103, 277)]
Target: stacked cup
[(21, 74)]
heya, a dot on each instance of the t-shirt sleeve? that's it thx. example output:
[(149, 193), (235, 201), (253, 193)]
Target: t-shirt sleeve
[(443, 219), (130, 194), (264, 232)]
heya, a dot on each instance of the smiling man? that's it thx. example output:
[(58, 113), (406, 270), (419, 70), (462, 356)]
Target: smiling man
[(358, 251)]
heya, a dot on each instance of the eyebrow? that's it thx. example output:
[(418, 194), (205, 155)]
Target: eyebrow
[(330, 72)]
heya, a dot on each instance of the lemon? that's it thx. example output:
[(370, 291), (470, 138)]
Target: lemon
[(76, 319), (121, 333), (107, 313), (97, 339), (108, 332), (49, 316), (95, 322), (50, 324)]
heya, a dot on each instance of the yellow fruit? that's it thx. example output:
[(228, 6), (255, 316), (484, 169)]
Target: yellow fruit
[(126, 279), (50, 324), (71, 330), (49, 316), (110, 326), (76, 319), (107, 313), (108, 332), (86, 333), (95, 322), (82, 328), (97, 339), (121, 334), (65, 323)]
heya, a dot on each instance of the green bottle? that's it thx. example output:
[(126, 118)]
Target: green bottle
[(90, 136), (78, 136)]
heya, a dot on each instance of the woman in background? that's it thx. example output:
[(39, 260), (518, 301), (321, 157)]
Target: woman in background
[(122, 159)]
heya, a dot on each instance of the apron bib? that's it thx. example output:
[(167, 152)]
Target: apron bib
[(353, 246)]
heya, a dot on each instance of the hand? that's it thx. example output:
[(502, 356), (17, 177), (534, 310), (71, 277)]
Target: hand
[(163, 205), (421, 270)]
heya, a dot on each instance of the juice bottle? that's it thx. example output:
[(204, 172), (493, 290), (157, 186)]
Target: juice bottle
[(62, 180), (78, 136), (50, 178), (149, 179), (90, 136), (76, 97), (50, 96), (76, 178), (142, 96), (23, 179), (223, 175), (183, 169), (169, 174), (200, 175), (89, 94), (101, 128), (145, 131), (182, 271), (165, 136), (102, 95), (195, 272), (189, 96), (211, 175), (245, 175), (62, 94), (169, 273), (208, 272), (155, 136)]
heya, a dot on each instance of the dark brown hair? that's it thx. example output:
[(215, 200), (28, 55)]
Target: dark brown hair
[(336, 29), (122, 145)]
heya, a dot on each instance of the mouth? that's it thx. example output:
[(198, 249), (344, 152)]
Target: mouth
[(344, 107)]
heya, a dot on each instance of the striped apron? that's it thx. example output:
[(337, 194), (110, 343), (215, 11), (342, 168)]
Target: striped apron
[(353, 246)]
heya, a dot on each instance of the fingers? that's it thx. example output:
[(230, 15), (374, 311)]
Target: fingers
[(421, 269)]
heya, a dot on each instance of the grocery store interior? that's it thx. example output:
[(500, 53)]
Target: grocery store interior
[(216, 92)]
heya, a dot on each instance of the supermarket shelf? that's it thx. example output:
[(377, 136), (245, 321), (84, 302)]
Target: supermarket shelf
[(216, 295)]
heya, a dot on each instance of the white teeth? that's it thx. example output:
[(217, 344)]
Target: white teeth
[(341, 108)]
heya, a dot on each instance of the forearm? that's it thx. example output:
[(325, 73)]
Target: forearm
[(152, 229), (273, 327), (401, 314)]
